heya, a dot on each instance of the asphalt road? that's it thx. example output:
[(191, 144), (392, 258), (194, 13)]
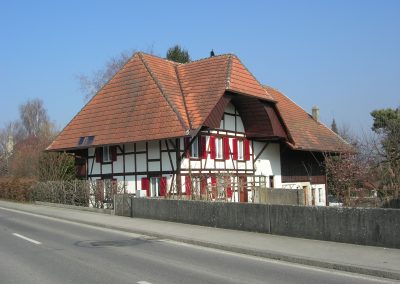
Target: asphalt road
[(38, 249)]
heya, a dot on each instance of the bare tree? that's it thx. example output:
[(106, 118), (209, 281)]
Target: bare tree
[(91, 84), (33, 117)]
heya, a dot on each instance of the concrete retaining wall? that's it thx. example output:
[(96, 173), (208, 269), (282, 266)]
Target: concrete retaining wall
[(284, 196), (364, 226)]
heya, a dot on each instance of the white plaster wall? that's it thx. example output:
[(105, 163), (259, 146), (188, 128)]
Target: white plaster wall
[(154, 150), (141, 162), (141, 146), (154, 166), (319, 191), (229, 123), (118, 165), (166, 164), (130, 163), (269, 162), (129, 147)]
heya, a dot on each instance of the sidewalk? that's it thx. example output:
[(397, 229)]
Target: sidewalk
[(376, 261)]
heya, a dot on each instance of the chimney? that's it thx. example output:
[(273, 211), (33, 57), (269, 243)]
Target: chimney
[(315, 113), (212, 54)]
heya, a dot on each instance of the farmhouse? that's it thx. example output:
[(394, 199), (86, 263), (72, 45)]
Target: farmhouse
[(206, 129)]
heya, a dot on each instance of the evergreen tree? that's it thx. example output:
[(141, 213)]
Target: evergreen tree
[(178, 54), (334, 127)]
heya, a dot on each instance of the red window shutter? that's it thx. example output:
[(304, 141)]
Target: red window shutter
[(235, 148), (188, 185), (163, 186), (203, 149), (99, 154), (187, 148), (246, 146), (113, 151), (212, 147), (146, 185), (226, 148)]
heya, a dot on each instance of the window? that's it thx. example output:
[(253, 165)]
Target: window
[(155, 186), (319, 195), (218, 148), (90, 140), (195, 148), (106, 154), (85, 140), (240, 150)]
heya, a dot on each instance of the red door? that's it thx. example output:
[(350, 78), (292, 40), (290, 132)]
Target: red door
[(243, 189)]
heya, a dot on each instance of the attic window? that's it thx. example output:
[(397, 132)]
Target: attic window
[(81, 140), (90, 140), (85, 140)]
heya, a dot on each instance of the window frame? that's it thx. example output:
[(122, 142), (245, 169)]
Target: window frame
[(106, 154), (219, 148), (240, 149), (194, 149)]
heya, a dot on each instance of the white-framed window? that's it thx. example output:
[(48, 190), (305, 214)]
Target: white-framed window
[(240, 150), (106, 154), (195, 148), (319, 195), (155, 186), (219, 150)]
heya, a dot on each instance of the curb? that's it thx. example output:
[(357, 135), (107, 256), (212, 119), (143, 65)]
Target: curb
[(263, 254)]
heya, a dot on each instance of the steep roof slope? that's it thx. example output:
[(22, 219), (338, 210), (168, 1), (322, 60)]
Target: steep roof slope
[(130, 107), (152, 98), (306, 133)]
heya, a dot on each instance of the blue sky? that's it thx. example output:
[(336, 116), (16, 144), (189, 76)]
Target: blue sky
[(343, 56)]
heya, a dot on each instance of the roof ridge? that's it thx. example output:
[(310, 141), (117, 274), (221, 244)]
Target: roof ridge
[(183, 95), (194, 61), (308, 114), (251, 74), (91, 99), (228, 72), (163, 92)]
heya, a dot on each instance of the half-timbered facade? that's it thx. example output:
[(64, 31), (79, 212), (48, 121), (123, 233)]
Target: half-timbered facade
[(161, 127)]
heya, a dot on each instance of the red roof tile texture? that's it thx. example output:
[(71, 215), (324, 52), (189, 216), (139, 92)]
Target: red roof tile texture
[(306, 133), (152, 98)]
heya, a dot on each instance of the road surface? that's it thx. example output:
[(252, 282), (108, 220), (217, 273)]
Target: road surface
[(39, 249)]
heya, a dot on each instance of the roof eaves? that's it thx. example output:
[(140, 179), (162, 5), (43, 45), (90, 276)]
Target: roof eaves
[(163, 92)]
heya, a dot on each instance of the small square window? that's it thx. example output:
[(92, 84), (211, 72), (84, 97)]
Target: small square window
[(81, 140)]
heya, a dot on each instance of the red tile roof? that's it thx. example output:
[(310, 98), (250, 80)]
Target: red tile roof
[(152, 98), (305, 132)]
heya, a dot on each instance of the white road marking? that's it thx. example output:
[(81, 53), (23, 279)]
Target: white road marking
[(27, 239), (143, 282)]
